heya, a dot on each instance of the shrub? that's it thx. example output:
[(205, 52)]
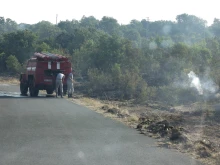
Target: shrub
[(117, 84), (98, 81)]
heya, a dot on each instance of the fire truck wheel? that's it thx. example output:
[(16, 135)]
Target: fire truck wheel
[(23, 89), (33, 91)]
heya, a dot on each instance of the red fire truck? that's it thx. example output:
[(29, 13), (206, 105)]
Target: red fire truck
[(41, 72)]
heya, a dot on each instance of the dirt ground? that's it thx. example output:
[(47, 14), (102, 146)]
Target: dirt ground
[(191, 129)]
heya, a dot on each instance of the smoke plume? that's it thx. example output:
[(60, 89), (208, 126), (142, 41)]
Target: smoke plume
[(205, 86), (195, 82)]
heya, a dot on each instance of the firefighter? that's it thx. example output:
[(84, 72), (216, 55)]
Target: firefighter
[(59, 83), (70, 88)]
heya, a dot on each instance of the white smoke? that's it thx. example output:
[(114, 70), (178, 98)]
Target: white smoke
[(210, 86), (195, 82), (205, 86)]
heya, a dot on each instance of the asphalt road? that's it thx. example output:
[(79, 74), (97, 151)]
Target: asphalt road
[(54, 131)]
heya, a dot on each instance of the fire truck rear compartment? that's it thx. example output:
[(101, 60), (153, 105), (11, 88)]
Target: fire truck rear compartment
[(41, 73)]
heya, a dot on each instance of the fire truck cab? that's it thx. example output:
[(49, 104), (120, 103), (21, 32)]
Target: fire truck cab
[(41, 72)]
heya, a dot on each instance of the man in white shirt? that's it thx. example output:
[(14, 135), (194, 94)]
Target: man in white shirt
[(70, 88), (59, 83)]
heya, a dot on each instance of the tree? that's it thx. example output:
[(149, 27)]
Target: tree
[(215, 27), (7, 25), (13, 64), (189, 24), (109, 51), (45, 30), (10, 25), (2, 25), (180, 50), (68, 26), (43, 47), (2, 61), (74, 40), (64, 39), (91, 22), (24, 26), (109, 25), (20, 43), (82, 58), (133, 35)]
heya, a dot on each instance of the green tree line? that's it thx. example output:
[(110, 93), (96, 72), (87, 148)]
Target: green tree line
[(143, 60)]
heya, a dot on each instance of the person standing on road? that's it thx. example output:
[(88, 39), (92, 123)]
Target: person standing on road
[(59, 83), (70, 87)]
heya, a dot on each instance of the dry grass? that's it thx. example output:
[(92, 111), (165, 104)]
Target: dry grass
[(133, 119), (102, 107), (92, 103), (9, 80)]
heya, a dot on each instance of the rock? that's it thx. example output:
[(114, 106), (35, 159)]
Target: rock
[(206, 143), (181, 129), (139, 126), (164, 122), (141, 119), (113, 111), (162, 128), (142, 132), (203, 153), (175, 134), (146, 123), (105, 107), (172, 110), (122, 115)]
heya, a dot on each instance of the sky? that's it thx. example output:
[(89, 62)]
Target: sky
[(34, 11)]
